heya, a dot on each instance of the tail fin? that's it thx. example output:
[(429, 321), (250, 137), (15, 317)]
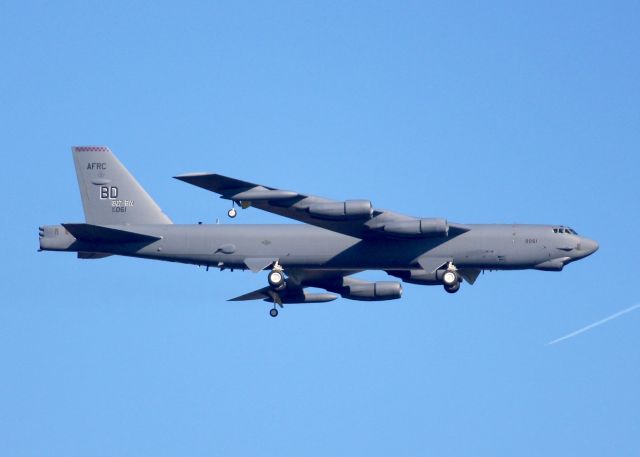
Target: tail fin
[(110, 194)]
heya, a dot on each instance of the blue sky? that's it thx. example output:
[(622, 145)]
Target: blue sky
[(478, 112)]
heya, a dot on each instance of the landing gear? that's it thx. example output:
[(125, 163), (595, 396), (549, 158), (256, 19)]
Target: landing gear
[(241, 203), (451, 279), (276, 278), (277, 283), (277, 301), (232, 212), (452, 289)]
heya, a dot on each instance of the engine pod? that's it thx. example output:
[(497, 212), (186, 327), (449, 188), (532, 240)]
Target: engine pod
[(421, 277), (375, 291), (418, 228), (350, 209)]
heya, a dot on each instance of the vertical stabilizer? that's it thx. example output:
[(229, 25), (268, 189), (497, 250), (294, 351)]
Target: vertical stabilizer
[(110, 194)]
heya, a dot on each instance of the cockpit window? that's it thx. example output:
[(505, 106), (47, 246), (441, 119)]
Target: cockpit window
[(566, 230)]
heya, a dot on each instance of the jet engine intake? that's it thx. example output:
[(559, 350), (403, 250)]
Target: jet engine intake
[(376, 291), (350, 209), (418, 228)]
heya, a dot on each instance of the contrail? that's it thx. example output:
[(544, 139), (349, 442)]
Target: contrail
[(595, 324)]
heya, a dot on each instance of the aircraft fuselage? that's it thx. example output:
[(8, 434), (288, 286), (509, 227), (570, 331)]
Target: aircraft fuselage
[(484, 246)]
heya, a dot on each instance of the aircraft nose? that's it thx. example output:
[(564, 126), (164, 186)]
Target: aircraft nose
[(588, 246)]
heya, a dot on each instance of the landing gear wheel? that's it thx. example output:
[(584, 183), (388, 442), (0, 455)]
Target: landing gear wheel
[(273, 312), (450, 278), (232, 213), (451, 281), (453, 288), (276, 279)]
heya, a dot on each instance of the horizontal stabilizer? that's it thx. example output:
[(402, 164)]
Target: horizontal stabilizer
[(99, 234)]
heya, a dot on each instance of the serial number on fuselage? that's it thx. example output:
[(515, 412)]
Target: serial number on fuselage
[(120, 206)]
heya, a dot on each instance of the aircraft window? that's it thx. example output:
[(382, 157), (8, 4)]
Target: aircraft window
[(566, 230)]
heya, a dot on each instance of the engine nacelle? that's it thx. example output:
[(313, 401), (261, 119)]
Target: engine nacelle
[(377, 291), (421, 277), (350, 209), (418, 228)]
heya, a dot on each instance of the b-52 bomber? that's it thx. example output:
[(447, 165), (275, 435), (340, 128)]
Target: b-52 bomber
[(337, 239)]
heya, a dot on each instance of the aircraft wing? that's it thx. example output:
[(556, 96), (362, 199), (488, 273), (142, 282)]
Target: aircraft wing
[(298, 280), (286, 297), (356, 218), (334, 282)]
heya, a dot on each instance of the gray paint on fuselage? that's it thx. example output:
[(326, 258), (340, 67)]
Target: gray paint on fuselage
[(338, 238), (500, 247)]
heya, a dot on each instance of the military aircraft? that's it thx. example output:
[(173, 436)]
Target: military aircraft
[(337, 239)]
